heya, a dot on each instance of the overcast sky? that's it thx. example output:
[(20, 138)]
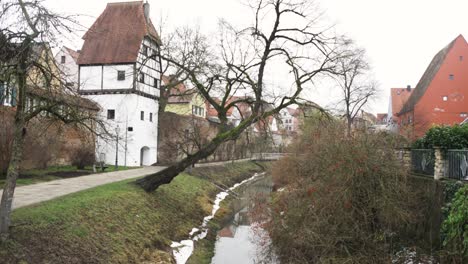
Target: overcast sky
[(400, 36)]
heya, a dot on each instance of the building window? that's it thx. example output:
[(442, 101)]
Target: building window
[(463, 114), (130, 129), (445, 98), (145, 50), (155, 82), (142, 77), (110, 114), (451, 77), (151, 117), (62, 59), (142, 115), (120, 75)]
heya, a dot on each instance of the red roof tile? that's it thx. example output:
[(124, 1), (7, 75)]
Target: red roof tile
[(116, 36)]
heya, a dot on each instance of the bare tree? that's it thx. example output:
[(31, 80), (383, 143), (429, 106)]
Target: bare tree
[(284, 33), (27, 29), (353, 79)]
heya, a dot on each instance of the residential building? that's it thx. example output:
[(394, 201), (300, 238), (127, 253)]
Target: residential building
[(50, 141), (289, 119), (441, 95), (183, 101), (398, 97), (67, 62), (120, 69)]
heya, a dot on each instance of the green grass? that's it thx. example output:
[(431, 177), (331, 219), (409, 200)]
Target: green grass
[(34, 176), (118, 222)]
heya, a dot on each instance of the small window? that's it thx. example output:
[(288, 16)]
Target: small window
[(151, 117), (120, 75), (142, 77), (142, 115), (445, 98), (130, 129), (460, 58), (145, 50), (451, 77), (463, 114), (62, 59), (155, 82), (111, 114)]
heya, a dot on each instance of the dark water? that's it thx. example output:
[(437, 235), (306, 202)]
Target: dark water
[(242, 240)]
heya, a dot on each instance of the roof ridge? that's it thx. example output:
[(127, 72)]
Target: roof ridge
[(428, 76)]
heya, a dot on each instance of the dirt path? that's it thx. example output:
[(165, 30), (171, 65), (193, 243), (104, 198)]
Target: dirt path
[(36, 193)]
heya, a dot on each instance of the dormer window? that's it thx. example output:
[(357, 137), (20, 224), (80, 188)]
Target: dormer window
[(120, 75), (62, 59)]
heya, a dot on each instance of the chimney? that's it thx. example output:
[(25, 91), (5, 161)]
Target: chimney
[(146, 10), (408, 88)]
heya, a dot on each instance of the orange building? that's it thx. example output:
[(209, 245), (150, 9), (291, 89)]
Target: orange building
[(441, 95)]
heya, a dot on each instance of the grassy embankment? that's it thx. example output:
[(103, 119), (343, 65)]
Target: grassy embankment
[(119, 222), (33, 176)]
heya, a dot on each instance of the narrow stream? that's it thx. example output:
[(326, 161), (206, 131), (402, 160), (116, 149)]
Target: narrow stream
[(242, 240), (183, 250)]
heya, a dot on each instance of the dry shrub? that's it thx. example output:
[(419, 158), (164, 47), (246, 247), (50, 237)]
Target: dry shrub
[(344, 199)]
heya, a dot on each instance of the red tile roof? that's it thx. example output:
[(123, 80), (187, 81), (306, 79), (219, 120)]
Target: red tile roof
[(399, 97), (116, 36)]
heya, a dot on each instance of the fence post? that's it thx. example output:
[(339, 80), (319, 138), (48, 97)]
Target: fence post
[(404, 155), (439, 163)]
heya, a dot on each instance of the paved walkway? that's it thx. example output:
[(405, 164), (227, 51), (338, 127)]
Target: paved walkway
[(36, 193)]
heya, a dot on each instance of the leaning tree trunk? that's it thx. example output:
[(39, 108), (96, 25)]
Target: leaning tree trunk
[(153, 181), (12, 176)]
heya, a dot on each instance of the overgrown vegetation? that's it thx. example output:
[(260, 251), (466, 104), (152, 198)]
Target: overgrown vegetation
[(119, 222), (455, 228), (450, 137), (342, 200)]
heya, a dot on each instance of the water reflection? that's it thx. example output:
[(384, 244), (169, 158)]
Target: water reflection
[(242, 240)]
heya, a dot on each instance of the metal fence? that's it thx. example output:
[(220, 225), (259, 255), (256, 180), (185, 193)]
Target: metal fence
[(457, 164), (422, 161)]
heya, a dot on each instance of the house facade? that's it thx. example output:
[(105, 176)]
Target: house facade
[(183, 101), (441, 95), (120, 69), (398, 98), (67, 62)]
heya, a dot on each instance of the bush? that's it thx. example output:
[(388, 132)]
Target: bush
[(455, 227), (83, 157), (450, 137), (342, 199)]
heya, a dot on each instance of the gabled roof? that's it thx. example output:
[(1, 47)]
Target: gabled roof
[(399, 98), (74, 54), (116, 36), (428, 76)]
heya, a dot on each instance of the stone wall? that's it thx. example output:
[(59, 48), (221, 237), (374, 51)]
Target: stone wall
[(180, 134), (48, 142)]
